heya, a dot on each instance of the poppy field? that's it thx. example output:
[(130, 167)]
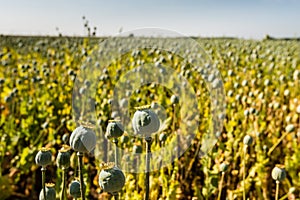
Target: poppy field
[(44, 104)]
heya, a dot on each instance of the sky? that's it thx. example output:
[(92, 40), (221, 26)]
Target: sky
[(207, 18)]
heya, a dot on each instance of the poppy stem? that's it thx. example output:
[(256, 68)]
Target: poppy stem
[(80, 166), (115, 140), (244, 171), (220, 186), (148, 158), (277, 190), (43, 181), (63, 191), (116, 195)]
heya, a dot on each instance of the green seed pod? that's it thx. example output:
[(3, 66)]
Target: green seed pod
[(248, 140), (114, 129), (43, 157), (238, 97), (83, 139), (265, 148), (252, 111), (8, 99), (111, 178), (282, 78), (245, 99), (288, 119), (250, 94), (286, 93), (289, 128), (145, 122), (137, 149), (74, 189), (276, 93), (174, 99), (162, 137), (230, 73), (245, 83), (63, 158), (124, 139), (230, 93), (223, 167), (292, 190), (236, 85), (216, 83), (261, 96), (246, 113), (50, 192), (296, 75), (267, 82), (65, 138), (124, 103), (278, 173), (276, 105), (298, 109)]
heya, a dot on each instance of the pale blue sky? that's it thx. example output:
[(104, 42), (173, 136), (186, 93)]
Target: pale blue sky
[(247, 19)]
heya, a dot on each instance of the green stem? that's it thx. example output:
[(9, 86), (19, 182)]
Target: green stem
[(220, 186), (244, 172), (277, 190), (80, 167), (285, 196), (43, 181), (63, 191), (116, 195), (116, 151), (148, 157), (177, 139), (174, 129), (277, 143)]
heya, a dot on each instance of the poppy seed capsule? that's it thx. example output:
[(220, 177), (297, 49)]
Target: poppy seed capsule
[(162, 137), (246, 113), (124, 103), (252, 111), (289, 128), (74, 189), (248, 140), (83, 139), (114, 129), (278, 173), (65, 138), (111, 179), (145, 122), (124, 139), (50, 192), (286, 93), (7, 99), (63, 158), (43, 157), (245, 83), (174, 99), (223, 167), (298, 109), (137, 149)]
